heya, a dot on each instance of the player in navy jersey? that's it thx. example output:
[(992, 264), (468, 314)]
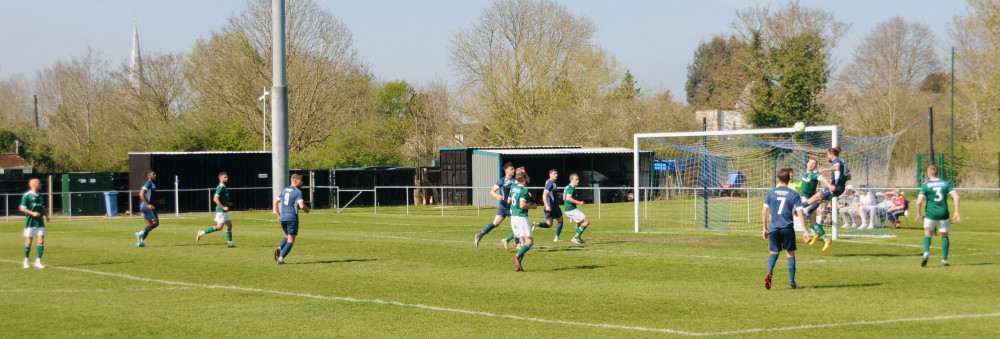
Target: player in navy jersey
[(147, 208), (500, 191), (780, 204), (552, 211), (839, 175), (286, 206)]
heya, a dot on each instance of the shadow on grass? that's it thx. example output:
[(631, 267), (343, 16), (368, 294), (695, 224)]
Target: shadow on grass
[(557, 249), (580, 267), (976, 264), (845, 285), (873, 255), (331, 261), (101, 263)]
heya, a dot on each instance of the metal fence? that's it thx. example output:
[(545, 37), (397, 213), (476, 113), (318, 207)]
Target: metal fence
[(390, 199)]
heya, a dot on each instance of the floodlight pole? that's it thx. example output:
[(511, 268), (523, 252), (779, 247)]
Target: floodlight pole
[(279, 100)]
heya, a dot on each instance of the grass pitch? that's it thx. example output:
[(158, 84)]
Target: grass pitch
[(359, 274)]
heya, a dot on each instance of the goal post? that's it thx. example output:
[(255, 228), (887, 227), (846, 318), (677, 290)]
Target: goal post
[(831, 132)]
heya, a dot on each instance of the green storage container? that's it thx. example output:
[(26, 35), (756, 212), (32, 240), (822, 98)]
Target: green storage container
[(84, 193)]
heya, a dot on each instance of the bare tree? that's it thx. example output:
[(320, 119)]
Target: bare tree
[(433, 124), (327, 84), (526, 60), (978, 68), (880, 84), (16, 100)]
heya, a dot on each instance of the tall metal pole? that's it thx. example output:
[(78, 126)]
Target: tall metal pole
[(951, 172), (263, 120), (930, 128), (279, 101), (36, 110)]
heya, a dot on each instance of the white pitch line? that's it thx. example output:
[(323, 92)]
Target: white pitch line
[(96, 291), (522, 318)]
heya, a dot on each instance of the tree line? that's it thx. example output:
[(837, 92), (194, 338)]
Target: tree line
[(531, 73)]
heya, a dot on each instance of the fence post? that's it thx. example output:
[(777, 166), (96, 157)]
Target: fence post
[(406, 192), (375, 199), (129, 194), (6, 205), (441, 199), (209, 200)]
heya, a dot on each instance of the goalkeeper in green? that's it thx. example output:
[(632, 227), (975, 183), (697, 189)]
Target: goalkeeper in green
[(808, 189)]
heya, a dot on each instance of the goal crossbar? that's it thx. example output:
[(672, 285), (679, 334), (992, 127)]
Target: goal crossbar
[(833, 129)]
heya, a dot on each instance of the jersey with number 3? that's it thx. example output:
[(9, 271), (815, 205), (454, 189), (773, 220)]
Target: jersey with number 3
[(936, 192), (782, 203), (289, 203)]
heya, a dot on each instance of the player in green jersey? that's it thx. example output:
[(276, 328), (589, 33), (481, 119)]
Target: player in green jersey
[(570, 203), (34, 210), (935, 192), (810, 180), (520, 203), (222, 205)]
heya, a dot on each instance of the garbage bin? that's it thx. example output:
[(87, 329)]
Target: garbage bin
[(111, 203)]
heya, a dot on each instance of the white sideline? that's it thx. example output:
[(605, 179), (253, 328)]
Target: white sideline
[(516, 317)]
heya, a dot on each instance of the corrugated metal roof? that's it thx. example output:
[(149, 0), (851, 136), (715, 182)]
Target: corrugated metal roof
[(561, 151), (202, 152)]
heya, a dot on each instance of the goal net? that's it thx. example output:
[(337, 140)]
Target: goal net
[(717, 180)]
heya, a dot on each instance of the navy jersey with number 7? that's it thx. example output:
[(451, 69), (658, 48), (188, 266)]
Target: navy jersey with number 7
[(782, 202)]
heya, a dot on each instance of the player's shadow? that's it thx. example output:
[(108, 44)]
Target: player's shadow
[(887, 255), (846, 285), (559, 249), (101, 263), (580, 267), (332, 261), (975, 264)]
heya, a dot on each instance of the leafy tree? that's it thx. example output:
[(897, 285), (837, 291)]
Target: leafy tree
[(716, 78)]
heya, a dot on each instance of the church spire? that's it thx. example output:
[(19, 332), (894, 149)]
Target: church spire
[(135, 61)]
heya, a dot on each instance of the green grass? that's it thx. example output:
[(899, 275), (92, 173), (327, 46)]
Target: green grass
[(359, 274)]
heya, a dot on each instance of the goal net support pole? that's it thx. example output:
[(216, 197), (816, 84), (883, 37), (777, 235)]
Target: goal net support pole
[(832, 129)]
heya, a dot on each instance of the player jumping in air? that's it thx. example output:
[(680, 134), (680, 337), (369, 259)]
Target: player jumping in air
[(809, 182), (222, 204), (570, 204), (935, 192), (33, 208), (500, 191), (286, 206), (148, 210), (779, 206), (520, 204)]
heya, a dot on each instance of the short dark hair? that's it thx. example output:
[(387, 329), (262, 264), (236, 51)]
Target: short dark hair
[(149, 173), (296, 176), (508, 165), (835, 151), (553, 170), (783, 175)]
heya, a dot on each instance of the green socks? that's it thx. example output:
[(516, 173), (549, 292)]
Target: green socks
[(209, 230), (944, 248), (927, 244), (40, 248), (510, 237), (27, 251), (819, 230), (229, 235), (520, 252), (579, 230)]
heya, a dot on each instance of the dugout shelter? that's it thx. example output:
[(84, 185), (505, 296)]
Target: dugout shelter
[(197, 172)]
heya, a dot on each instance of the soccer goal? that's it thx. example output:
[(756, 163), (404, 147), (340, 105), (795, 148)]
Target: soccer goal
[(717, 180)]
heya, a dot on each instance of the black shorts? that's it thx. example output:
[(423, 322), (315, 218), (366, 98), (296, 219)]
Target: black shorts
[(290, 227), (782, 239)]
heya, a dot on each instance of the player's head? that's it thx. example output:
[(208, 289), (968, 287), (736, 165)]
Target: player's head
[(784, 175), (898, 193), (508, 170), (34, 184), (521, 175), (150, 175), (833, 153), (296, 180), (553, 174), (223, 177), (932, 171), (811, 164)]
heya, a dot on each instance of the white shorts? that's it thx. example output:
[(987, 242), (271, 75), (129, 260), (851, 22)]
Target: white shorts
[(521, 226), (943, 226), (576, 215), (31, 232), (221, 217)]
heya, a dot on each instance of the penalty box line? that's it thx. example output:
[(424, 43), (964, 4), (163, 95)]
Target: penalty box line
[(522, 318)]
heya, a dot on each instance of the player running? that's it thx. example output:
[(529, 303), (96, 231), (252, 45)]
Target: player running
[(809, 181), (147, 208), (552, 211), (520, 204), (33, 208), (286, 206), (936, 191), (779, 206), (222, 217), (570, 204), (500, 191)]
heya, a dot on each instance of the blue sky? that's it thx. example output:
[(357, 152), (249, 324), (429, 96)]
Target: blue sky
[(409, 40)]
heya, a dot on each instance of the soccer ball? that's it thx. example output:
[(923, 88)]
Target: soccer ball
[(800, 127)]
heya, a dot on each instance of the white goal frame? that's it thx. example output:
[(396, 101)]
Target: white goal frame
[(834, 134)]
